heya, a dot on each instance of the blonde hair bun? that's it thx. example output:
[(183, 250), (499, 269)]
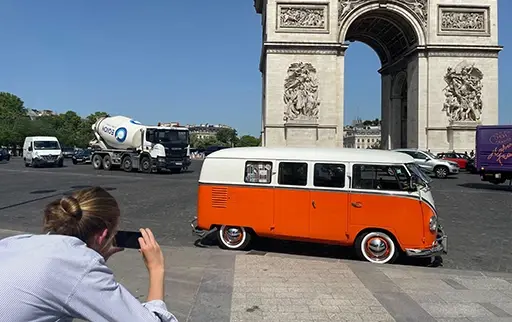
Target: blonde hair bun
[(71, 207)]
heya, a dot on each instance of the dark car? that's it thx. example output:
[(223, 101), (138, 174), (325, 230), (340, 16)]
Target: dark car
[(212, 149), (83, 156), (68, 152), (4, 155), (470, 166)]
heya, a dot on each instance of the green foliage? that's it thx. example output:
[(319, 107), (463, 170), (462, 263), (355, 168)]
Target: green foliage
[(248, 140), (227, 137), (69, 127), (72, 130)]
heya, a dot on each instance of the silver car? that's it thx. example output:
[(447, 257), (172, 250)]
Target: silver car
[(431, 164)]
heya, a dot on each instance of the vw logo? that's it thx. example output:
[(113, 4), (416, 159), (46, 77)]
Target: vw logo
[(120, 134)]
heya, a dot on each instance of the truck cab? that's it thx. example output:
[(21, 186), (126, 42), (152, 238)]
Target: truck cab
[(175, 142)]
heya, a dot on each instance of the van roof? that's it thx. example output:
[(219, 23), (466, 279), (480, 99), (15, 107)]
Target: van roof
[(317, 154), (36, 138)]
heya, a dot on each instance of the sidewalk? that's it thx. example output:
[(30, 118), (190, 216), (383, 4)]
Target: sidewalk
[(214, 285), (211, 285)]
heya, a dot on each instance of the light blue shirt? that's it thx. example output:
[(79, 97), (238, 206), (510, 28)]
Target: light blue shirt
[(49, 278)]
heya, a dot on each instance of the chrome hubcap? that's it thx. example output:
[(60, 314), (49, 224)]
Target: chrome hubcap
[(377, 248), (232, 235)]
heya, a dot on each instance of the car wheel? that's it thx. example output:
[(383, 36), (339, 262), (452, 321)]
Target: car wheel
[(97, 161), (127, 163), (376, 247), (107, 162), (145, 164), (233, 237), (441, 172)]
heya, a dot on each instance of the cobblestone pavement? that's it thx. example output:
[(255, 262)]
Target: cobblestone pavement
[(475, 215)]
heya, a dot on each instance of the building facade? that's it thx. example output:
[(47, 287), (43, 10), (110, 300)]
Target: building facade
[(439, 69), (362, 137)]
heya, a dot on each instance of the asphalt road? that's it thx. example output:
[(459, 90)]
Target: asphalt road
[(475, 215)]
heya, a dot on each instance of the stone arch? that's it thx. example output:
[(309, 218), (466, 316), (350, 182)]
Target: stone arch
[(399, 81), (395, 16)]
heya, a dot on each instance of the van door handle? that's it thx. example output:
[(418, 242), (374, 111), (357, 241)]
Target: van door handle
[(357, 204), (313, 204)]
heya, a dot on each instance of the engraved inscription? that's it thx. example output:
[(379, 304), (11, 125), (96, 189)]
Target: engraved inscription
[(301, 93), (302, 17), (463, 93), (462, 21)]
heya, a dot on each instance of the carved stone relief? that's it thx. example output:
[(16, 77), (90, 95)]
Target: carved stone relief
[(302, 17), (463, 20), (463, 93), (419, 7), (301, 93)]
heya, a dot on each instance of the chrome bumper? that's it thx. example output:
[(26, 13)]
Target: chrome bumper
[(197, 231), (439, 247)]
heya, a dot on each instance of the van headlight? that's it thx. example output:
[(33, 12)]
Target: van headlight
[(433, 223)]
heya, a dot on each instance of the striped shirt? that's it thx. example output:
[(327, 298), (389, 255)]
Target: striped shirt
[(49, 278)]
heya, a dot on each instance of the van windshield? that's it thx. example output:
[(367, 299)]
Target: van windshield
[(46, 145), (419, 174)]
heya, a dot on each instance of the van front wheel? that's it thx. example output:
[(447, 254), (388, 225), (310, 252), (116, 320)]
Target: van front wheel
[(233, 237), (376, 247)]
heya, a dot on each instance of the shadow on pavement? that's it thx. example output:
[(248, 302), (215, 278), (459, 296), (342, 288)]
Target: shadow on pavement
[(262, 246), (486, 186)]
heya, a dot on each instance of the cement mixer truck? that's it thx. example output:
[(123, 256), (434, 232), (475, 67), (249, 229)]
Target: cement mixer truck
[(121, 142)]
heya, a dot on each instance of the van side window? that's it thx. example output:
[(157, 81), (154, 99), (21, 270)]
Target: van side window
[(380, 177), (329, 175), (293, 173), (258, 172)]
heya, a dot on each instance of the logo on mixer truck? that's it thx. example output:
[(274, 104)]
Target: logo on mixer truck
[(120, 134)]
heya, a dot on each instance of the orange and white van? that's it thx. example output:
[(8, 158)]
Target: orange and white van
[(377, 201)]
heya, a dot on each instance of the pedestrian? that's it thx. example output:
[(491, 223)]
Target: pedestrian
[(62, 275), (472, 153)]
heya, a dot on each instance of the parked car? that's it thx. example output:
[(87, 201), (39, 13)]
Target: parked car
[(430, 164), (4, 155), (460, 158), (83, 156), (68, 152), (470, 166), (212, 149)]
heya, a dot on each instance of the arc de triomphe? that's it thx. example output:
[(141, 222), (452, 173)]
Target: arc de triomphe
[(439, 69)]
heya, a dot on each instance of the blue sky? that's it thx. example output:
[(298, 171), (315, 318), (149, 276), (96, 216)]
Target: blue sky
[(191, 61)]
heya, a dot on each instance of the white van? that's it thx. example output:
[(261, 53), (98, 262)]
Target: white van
[(41, 151)]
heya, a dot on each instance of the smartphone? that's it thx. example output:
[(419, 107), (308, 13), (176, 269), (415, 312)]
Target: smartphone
[(128, 239)]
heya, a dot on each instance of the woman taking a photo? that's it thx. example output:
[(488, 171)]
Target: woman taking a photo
[(62, 275)]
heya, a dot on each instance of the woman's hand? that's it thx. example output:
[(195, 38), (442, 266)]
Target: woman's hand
[(153, 256)]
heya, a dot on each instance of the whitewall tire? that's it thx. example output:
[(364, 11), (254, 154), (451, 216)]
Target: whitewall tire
[(233, 237), (376, 247)]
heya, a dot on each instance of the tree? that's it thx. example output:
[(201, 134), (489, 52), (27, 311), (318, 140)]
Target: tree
[(248, 140), (227, 136), (206, 142), (12, 116)]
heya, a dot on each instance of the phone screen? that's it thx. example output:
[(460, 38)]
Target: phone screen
[(128, 239)]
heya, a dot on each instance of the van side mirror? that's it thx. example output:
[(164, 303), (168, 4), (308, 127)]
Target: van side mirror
[(30, 148), (413, 184)]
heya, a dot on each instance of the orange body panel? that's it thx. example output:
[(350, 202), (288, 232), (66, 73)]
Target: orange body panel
[(291, 212), (328, 215), (314, 215), (401, 216), (231, 205)]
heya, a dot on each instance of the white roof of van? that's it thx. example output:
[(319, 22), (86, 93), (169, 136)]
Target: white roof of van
[(41, 138), (315, 154)]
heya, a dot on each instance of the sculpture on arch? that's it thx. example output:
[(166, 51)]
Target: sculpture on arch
[(419, 7), (301, 93), (463, 93)]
